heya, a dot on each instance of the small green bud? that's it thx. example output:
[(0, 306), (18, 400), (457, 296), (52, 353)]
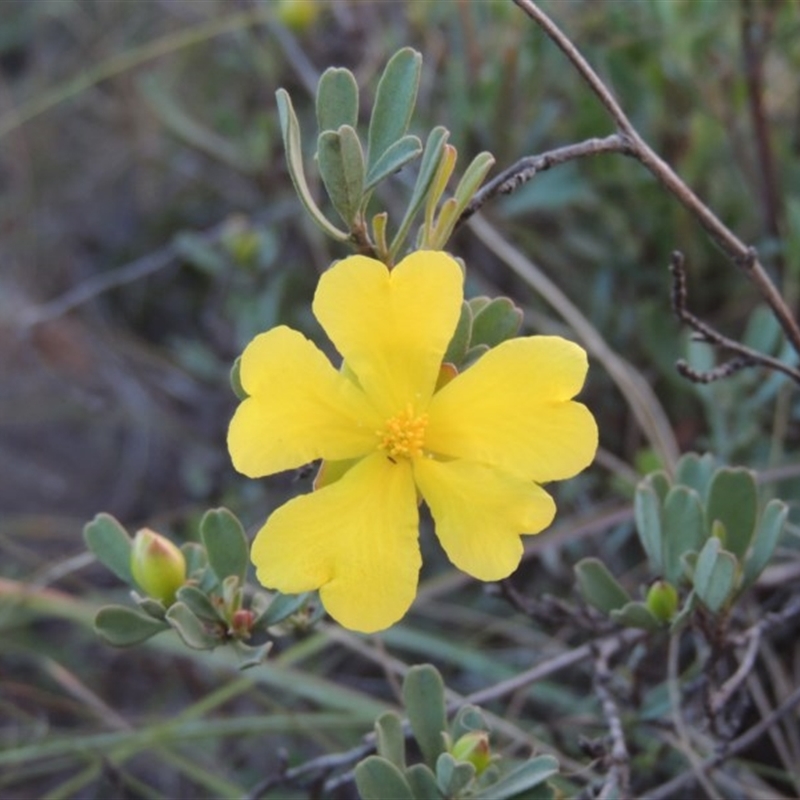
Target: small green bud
[(662, 600), (474, 748), (298, 14), (157, 565)]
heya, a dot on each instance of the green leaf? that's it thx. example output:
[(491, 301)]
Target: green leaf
[(337, 99), (714, 575), (635, 615), (290, 130), (733, 500), (472, 179), (695, 471), (395, 157), (199, 603), (423, 694), (660, 482), (524, 777), (391, 739), (200, 253), (468, 719), (379, 779), (684, 529), (341, 164), (225, 542), (431, 158), (683, 616), (452, 776), (236, 380), (394, 102), (497, 321), (282, 607), (423, 783), (110, 543), (766, 539), (457, 349), (599, 587), (647, 512), (190, 628), (123, 627)]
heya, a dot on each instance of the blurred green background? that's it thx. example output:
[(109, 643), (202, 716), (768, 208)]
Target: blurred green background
[(148, 229)]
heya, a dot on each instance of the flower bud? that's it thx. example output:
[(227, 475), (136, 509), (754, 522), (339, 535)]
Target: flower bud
[(298, 14), (474, 748), (662, 600), (157, 566), (242, 623)]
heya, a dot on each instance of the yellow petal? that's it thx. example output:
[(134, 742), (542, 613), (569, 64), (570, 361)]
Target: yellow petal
[(354, 540), (512, 409), (480, 513), (392, 328), (299, 409)]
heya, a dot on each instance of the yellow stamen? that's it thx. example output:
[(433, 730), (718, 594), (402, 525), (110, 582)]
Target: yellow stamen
[(403, 436)]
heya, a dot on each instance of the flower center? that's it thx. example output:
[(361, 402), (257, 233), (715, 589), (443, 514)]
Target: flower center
[(403, 436)]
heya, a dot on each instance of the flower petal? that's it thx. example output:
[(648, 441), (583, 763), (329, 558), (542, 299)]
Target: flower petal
[(512, 409), (299, 409), (392, 328), (480, 513), (355, 540)]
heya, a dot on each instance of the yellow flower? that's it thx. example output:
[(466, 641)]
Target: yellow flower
[(475, 450)]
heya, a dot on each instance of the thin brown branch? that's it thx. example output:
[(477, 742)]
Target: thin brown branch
[(617, 782), (510, 179), (756, 28), (737, 251), (745, 356), (733, 748)]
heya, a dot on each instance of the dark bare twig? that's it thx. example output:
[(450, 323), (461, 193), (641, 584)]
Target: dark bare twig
[(745, 356), (756, 29), (617, 781), (737, 251), (510, 179), (743, 742)]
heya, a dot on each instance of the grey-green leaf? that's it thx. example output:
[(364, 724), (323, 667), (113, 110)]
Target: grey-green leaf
[(190, 628), (472, 179), (396, 156), (453, 776), (282, 607), (290, 130), (337, 99), (391, 739), (110, 542), (468, 719), (647, 512), (733, 500), (423, 694), (379, 779), (236, 379), (695, 471), (395, 98), (198, 603), (684, 529), (459, 344), (768, 532), (124, 627), (714, 575), (423, 783), (431, 156), (225, 542), (635, 615), (341, 164), (497, 321), (599, 587), (524, 777)]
